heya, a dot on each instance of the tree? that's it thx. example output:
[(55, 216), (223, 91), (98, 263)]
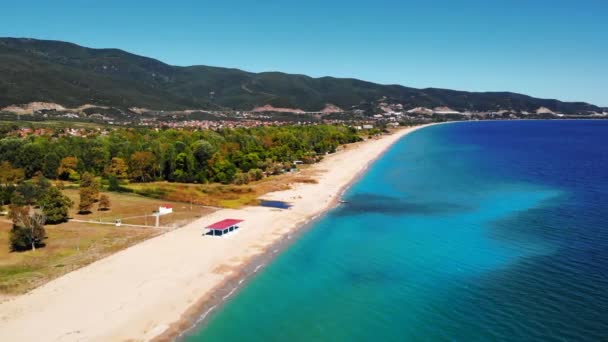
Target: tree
[(30, 158), (28, 229), (202, 150), (104, 202), (18, 199), (222, 170), (96, 158), (250, 161), (9, 178), (42, 184), (184, 167), (87, 198), (142, 166), (26, 193), (89, 181), (55, 206), (113, 184), (10, 175), (51, 165), (67, 169), (117, 168)]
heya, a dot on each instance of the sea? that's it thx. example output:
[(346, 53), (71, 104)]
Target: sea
[(474, 231)]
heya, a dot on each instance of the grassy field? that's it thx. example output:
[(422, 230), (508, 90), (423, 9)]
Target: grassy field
[(221, 195), (69, 246), (72, 245), (137, 209)]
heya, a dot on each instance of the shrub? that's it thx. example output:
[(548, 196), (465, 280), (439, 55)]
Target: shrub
[(255, 174), (104, 202), (241, 178)]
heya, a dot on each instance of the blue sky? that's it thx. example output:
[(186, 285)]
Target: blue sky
[(553, 49)]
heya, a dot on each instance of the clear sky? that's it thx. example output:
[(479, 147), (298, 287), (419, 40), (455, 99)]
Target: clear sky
[(545, 48)]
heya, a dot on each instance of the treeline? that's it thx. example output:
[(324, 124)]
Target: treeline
[(194, 156)]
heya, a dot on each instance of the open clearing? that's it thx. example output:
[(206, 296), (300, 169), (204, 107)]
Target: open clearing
[(222, 195), (72, 245)]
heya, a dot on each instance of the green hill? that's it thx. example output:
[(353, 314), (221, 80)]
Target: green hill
[(71, 75)]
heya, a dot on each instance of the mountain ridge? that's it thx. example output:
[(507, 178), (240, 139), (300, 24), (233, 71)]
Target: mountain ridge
[(71, 75)]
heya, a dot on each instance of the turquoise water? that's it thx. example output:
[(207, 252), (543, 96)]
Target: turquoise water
[(462, 232)]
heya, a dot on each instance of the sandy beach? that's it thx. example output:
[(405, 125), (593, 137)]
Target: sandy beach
[(143, 292)]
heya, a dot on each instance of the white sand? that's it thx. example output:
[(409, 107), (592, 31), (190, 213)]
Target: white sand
[(136, 294)]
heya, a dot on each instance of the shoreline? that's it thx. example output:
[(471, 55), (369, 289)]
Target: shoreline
[(163, 287), (201, 312)]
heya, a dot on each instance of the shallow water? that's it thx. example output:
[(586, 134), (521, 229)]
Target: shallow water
[(468, 231)]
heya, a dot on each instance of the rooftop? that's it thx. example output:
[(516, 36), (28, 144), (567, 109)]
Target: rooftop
[(223, 224)]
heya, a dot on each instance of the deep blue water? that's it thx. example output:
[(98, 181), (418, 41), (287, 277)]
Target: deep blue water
[(474, 231)]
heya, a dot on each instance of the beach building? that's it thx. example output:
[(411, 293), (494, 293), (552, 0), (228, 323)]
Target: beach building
[(223, 227), (165, 209)]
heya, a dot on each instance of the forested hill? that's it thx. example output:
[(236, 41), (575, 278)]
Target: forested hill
[(70, 75)]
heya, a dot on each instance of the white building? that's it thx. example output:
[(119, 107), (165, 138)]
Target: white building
[(165, 209)]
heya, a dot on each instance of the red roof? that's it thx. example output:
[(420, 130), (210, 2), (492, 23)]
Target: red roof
[(224, 224)]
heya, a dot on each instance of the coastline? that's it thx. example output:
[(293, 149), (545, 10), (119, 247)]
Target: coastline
[(159, 288), (199, 314)]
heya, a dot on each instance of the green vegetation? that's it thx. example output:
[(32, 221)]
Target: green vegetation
[(28, 229), (157, 164), (74, 75), (89, 193), (55, 206), (142, 155)]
